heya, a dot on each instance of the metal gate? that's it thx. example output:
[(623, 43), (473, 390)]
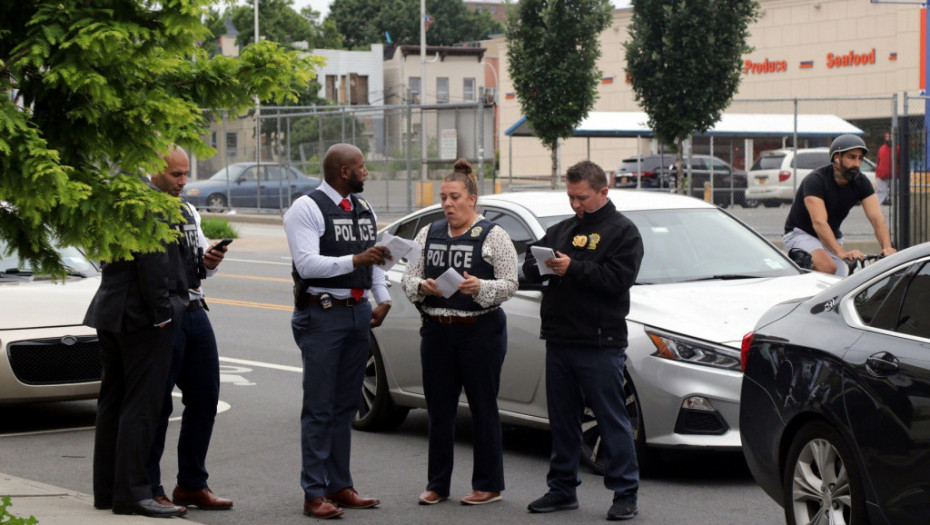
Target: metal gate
[(911, 181)]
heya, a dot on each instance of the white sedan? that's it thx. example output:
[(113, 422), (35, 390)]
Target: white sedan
[(46, 352), (705, 280)]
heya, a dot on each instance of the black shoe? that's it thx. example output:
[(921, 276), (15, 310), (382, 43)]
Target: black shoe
[(147, 507), (551, 503), (623, 509)]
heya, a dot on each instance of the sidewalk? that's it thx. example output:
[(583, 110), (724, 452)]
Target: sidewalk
[(57, 506)]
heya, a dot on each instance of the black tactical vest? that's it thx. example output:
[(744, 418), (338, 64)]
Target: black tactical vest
[(346, 233), (191, 251), (463, 253)]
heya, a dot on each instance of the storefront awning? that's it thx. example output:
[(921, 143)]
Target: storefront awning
[(632, 124)]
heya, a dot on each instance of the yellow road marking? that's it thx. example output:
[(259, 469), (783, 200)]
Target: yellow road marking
[(250, 304), (253, 277)]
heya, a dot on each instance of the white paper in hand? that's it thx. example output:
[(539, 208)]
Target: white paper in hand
[(543, 254), (399, 248), (449, 282)]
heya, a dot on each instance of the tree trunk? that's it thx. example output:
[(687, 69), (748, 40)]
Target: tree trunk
[(680, 167), (554, 182)]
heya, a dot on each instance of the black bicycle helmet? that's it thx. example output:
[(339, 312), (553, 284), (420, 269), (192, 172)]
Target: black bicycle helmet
[(845, 143)]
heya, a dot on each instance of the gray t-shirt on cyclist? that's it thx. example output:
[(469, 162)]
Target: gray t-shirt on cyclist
[(838, 200)]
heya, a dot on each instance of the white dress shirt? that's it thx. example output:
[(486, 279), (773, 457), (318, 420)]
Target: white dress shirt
[(304, 225)]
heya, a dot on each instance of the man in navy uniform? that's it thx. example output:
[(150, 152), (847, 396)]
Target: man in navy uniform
[(331, 234), (195, 365), (597, 256)]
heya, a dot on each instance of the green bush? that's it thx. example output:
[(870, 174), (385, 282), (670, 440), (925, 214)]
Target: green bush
[(8, 519), (217, 228)]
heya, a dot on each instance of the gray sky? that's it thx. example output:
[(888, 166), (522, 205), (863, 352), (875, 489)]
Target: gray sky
[(323, 5)]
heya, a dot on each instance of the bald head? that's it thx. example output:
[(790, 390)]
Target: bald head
[(344, 168), (173, 178)]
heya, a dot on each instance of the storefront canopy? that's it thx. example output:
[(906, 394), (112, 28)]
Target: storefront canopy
[(634, 124)]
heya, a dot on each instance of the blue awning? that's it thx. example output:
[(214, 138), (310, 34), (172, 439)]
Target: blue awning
[(631, 124)]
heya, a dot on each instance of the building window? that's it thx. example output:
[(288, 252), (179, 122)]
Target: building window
[(358, 88), (213, 139), (331, 94), (414, 90), (442, 90), (469, 89), (232, 144)]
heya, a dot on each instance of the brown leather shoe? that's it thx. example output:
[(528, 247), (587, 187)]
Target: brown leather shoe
[(321, 508), (430, 497), (165, 501), (202, 499), (349, 498), (479, 497)]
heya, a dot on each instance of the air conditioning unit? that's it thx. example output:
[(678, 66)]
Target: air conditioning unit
[(490, 95)]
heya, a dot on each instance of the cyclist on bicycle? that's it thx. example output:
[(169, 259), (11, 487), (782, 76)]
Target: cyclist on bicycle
[(823, 201)]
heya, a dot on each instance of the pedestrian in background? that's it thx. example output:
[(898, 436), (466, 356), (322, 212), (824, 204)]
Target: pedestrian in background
[(135, 310), (464, 336), (195, 362), (584, 307), (883, 170), (331, 234)]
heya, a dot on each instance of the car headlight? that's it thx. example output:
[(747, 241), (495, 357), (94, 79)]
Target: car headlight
[(191, 192), (693, 351)]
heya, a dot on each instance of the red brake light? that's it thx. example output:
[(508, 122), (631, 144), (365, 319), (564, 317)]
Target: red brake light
[(744, 349), (783, 175), (648, 174)]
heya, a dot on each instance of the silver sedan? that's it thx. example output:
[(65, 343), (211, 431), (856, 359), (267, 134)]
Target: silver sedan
[(705, 280)]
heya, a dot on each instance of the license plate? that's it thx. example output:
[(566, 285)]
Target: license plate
[(624, 179)]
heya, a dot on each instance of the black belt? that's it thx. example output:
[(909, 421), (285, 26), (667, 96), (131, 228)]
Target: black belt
[(339, 302), (194, 305), (458, 319)]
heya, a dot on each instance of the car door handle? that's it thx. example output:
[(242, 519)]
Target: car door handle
[(882, 364)]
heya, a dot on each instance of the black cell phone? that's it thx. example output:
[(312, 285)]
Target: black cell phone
[(224, 242)]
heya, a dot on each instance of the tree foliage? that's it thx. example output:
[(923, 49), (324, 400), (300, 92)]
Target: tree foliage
[(684, 59), (552, 49), (279, 22), (95, 91), (364, 22)]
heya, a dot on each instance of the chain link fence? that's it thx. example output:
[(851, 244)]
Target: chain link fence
[(768, 165), (408, 149)]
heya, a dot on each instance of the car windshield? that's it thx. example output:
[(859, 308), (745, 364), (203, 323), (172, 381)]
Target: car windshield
[(224, 173), (768, 162), (12, 267), (702, 244)]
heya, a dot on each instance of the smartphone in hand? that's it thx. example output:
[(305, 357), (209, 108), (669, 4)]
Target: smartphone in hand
[(224, 242)]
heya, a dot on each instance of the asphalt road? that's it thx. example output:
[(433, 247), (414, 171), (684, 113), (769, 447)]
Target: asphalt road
[(254, 458)]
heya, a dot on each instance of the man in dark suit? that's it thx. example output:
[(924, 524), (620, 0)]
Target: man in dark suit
[(134, 312)]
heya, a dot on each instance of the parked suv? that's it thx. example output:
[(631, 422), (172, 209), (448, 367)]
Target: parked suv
[(771, 178), (659, 171)]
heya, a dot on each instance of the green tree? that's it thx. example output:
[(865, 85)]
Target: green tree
[(552, 48), (363, 22), (684, 59), (279, 22), (92, 92)]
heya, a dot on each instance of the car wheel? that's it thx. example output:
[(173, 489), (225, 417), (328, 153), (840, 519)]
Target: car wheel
[(771, 203), (591, 454), (216, 202), (750, 203), (376, 410), (822, 481)]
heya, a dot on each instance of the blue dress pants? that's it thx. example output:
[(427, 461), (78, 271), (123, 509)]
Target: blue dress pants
[(334, 347), (195, 369), (576, 374), (470, 356)]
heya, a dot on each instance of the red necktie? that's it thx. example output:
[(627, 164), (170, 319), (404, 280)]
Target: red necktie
[(357, 293)]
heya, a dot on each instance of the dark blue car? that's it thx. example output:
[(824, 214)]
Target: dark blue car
[(249, 185)]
